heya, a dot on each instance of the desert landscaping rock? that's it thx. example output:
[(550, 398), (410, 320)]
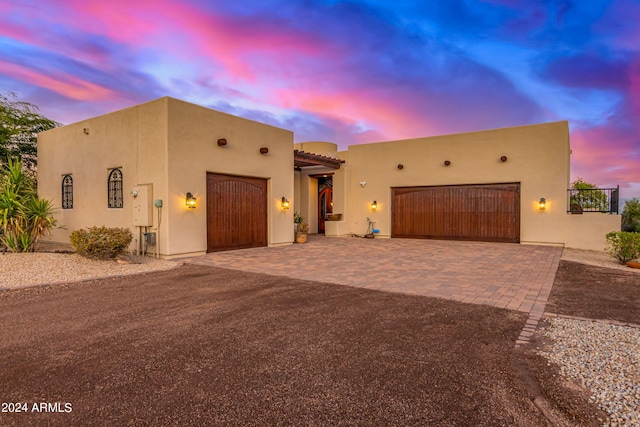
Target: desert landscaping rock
[(28, 269), (605, 359)]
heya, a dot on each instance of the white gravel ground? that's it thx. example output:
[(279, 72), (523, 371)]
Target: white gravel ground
[(19, 270), (605, 359), (597, 258)]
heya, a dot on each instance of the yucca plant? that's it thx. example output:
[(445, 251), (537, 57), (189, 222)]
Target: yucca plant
[(24, 217)]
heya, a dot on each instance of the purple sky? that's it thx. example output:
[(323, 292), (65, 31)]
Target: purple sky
[(346, 72)]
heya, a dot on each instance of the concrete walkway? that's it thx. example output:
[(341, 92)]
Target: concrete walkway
[(512, 276)]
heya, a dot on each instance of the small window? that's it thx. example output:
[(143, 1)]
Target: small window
[(67, 192), (115, 188)]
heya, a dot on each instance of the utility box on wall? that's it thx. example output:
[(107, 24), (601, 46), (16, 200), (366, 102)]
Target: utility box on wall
[(142, 195)]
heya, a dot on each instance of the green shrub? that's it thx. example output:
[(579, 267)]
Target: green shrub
[(24, 217), (101, 242), (631, 215), (623, 246)]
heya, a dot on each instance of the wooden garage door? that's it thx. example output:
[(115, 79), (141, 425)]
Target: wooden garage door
[(488, 213), (236, 212)]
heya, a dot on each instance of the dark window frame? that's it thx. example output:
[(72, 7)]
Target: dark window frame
[(114, 189), (67, 192)]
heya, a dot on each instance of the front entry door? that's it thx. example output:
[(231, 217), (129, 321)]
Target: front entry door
[(325, 207)]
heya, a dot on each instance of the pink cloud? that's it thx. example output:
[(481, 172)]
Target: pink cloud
[(119, 20), (244, 45), (234, 42), (605, 156), (64, 84), (387, 118)]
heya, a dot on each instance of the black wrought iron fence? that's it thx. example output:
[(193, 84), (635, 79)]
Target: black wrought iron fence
[(603, 200)]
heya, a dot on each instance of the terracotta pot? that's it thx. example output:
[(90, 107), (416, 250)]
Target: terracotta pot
[(633, 264), (301, 237)]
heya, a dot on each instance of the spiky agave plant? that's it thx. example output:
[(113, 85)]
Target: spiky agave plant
[(24, 217)]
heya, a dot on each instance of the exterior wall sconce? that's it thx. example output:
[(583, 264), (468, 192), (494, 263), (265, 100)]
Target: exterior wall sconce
[(447, 163), (85, 131), (374, 205), (503, 159), (222, 142), (264, 150), (400, 166), (190, 201), (542, 204), (284, 203)]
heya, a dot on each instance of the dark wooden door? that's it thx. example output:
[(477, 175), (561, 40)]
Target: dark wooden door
[(325, 207), (465, 212), (236, 212)]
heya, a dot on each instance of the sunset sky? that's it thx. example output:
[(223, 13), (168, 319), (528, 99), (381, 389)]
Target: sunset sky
[(347, 72)]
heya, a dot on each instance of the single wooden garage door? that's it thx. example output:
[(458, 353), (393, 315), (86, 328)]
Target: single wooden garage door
[(489, 213), (236, 212)]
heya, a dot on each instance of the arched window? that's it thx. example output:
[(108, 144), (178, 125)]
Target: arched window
[(115, 188), (67, 192)]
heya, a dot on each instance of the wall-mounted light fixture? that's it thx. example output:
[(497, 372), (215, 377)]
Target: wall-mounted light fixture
[(400, 166), (85, 131), (542, 204), (190, 201), (374, 205), (503, 159), (447, 162), (264, 150), (284, 203), (222, 142), (363, 183)]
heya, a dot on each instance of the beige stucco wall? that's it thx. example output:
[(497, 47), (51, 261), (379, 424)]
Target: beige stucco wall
[(588, 231), (322, 148), (133, 139), (193, 151), (538, 157), (171, 145)]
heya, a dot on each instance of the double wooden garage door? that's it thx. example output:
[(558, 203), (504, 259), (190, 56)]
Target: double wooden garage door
[(488, 213), (236, 212)]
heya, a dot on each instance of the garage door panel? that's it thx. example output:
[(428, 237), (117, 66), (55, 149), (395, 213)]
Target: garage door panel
[(471, 212), (236, 212)]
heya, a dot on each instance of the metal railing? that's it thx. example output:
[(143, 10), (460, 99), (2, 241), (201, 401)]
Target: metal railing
[(603, 200)]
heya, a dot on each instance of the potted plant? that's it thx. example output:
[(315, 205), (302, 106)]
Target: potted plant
[(301, 228)]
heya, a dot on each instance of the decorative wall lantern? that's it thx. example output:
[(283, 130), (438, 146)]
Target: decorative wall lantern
[(222, 142), (264, 150), (542, 204), (190, 201), (447, 163), (284, 203), (503, 159), (374, 205)]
